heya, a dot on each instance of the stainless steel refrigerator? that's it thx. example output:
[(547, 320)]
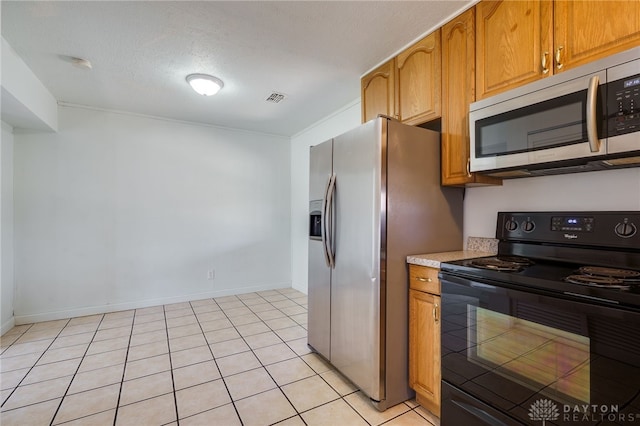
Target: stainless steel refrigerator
[(375, 197)]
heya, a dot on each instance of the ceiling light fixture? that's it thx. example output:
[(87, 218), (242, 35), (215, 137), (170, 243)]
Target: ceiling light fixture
[(206, 85), (81, 63)]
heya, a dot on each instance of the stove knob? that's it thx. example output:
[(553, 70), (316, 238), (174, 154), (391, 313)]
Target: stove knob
[(528, 225), (625, 229), (511, 225)]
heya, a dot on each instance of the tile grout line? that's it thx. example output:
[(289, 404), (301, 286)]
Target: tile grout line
[(173, 382), (124, 369)]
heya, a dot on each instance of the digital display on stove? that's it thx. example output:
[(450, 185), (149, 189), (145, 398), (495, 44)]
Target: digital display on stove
[(572, 223)]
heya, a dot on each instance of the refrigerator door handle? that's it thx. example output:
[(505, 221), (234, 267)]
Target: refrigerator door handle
[(328, 223), (323, 225)]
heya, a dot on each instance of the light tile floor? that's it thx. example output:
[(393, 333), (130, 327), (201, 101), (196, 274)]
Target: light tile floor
[(234, 360)]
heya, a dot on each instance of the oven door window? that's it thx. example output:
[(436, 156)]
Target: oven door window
[(538, 357), (513, 349)]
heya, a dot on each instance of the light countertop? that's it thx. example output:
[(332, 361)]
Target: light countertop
[(476, 247), (433, 260)]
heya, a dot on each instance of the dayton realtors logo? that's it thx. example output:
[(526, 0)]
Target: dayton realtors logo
[(545, 409)]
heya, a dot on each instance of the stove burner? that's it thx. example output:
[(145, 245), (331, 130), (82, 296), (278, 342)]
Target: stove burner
[(598, 276), (507, 263), (609, 272), (597, 281)]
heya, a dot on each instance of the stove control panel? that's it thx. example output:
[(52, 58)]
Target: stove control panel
[(602, 229), (572, 223)]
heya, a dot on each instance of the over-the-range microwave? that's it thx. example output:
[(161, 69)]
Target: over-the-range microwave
[(586, 118)]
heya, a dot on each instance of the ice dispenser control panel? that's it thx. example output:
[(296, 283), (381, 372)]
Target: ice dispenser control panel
[(315, 220)]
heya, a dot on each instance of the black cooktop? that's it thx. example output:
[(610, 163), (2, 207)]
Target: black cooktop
[(547, 276), (545, 251)]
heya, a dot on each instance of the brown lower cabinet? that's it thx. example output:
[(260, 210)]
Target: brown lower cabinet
[(424, 336)]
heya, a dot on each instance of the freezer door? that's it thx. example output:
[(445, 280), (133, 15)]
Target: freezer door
[(356, 332), (319, 287)]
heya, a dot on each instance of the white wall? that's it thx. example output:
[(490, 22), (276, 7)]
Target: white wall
[(335, 124), (117, 211), (602, 190), (6, 229)]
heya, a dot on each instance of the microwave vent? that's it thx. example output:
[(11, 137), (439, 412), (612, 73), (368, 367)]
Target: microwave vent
[(567, 169), (510, 174)]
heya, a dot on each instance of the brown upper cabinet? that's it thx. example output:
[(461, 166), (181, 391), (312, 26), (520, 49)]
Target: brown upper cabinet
[(418, 81), (588, 30), (522, 41), (378, 91), (458, 91), (511, 37), (408, 86)]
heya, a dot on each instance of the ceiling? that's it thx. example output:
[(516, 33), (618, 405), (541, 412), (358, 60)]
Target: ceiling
[(314, 52)]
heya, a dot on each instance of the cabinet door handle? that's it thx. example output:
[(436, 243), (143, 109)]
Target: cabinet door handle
[(436, 313), (424, 280), (545, 68), (559, 64), (468, 167)]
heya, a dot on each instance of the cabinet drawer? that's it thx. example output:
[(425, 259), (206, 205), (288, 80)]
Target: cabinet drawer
[(423, 278)]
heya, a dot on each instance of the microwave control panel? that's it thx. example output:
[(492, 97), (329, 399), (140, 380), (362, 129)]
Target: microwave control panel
[(623, 105)]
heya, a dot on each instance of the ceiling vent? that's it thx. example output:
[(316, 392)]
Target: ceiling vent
[(275, 97)]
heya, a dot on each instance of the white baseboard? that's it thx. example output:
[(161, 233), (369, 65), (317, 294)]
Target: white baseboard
[(7, 325), (103, 309)]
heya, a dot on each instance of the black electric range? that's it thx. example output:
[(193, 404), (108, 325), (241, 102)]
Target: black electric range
[(552, 322)]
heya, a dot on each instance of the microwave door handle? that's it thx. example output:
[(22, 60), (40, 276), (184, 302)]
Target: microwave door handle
[(592, 124)]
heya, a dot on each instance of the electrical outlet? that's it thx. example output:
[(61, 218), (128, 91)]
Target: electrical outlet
[(211, 274)]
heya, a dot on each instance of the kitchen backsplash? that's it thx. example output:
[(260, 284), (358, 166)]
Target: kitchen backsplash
[(482, 244)]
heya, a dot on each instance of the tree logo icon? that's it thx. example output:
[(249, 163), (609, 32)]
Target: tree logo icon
[(544, 409)]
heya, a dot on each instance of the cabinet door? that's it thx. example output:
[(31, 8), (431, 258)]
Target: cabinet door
[(458, 91), (377, 92), (418, 81), (589, 30), (512, 39), (424, 349)]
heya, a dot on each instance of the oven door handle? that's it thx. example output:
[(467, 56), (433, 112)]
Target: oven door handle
[(479, 413), (483, 286)]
